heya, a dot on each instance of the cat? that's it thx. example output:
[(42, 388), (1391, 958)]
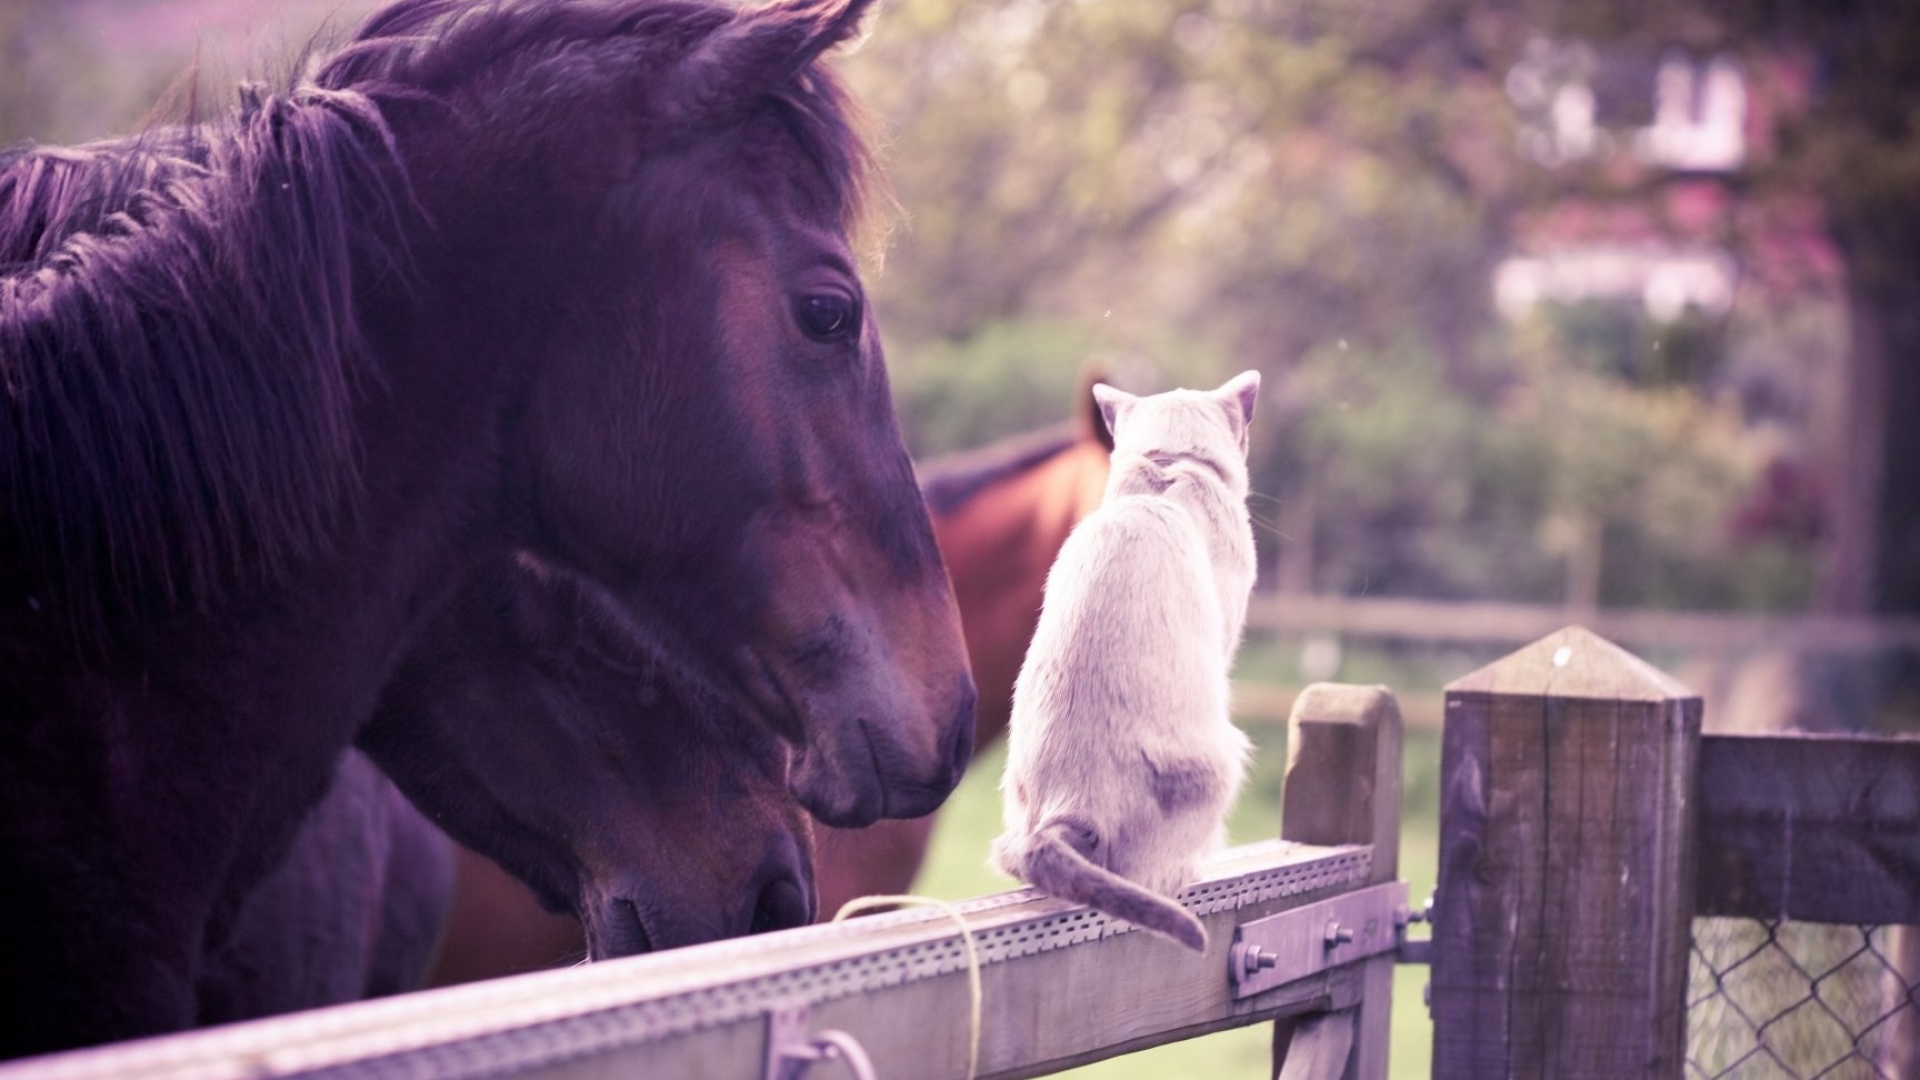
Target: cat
[(1122, 757)]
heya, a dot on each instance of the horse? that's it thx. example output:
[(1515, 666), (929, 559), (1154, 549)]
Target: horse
[(1000, 513), (694, 821), (573, 279), (355, 911)]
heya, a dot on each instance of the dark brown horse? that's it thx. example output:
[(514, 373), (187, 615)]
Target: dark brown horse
[(356, 910), (564, 277), (1001, 513), (610, 785), (693, 821)]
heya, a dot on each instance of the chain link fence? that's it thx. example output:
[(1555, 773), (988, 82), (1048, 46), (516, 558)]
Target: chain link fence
[(1778, 1000)]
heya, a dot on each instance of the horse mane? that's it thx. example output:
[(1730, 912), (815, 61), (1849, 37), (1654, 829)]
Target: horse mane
[(951, 481), (179, 347), (180, 350)]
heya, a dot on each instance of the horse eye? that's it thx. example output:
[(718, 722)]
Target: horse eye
[(829, 317)]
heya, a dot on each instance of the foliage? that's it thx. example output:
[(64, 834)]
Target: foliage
[(1320, 192)]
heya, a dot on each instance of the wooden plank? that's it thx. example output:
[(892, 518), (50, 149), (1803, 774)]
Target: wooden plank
[(1565, 896), (1822, 828), (1322, 1047), (1063, 985), (1343, 787)]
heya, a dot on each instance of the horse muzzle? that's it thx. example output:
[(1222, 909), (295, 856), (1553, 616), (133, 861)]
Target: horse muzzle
[(864, 772)]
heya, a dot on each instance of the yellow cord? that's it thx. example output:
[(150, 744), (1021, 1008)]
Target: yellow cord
[(867, 903)]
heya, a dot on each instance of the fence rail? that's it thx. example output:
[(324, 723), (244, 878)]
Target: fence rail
[(1514, 624), (1820, 828), (1063, 985)]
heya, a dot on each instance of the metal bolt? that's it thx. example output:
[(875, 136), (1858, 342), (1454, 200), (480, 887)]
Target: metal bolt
[(1259, 959), (1254, 959), (1338, 935)]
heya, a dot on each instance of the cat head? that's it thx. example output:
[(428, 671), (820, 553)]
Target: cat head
[(1206, 427)]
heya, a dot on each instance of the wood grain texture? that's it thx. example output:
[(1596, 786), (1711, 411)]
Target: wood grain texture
[(1322, 1045), (1343, 786), (1566, 866), (1821, 828)]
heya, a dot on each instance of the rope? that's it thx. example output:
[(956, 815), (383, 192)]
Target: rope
[(976, 999)]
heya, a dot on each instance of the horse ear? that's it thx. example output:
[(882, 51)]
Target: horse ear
[(762, 49), (1109, 402), (1239, 394), (1092, 419)]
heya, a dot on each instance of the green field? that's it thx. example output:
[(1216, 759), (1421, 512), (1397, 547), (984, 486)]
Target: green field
[(956, 869)]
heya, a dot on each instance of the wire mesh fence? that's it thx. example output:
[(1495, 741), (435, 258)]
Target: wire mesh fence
[(1778, 1000)]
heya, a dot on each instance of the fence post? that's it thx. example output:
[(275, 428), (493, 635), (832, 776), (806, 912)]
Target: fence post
[(1343, 787), (1565, 901)]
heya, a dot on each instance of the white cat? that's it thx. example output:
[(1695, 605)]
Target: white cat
[(1122, 757)]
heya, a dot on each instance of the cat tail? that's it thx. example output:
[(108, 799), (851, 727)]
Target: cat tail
[(1053, 863)]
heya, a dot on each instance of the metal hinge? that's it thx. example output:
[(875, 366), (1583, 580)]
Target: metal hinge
[(1294, 944)]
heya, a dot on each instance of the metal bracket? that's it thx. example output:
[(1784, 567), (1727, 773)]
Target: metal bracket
[(792, 1051), (1415, 951), (1294, 944)]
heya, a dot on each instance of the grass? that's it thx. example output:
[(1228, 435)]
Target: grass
[(956, 869)]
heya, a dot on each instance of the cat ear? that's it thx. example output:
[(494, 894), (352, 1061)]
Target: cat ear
[(1239, 394), (1111, 402)]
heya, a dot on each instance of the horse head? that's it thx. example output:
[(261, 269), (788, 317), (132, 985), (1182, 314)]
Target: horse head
[(541, 731), (697, 409)]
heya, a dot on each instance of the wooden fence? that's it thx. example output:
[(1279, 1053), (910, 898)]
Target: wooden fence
[(1302, 927), (1586, 820)]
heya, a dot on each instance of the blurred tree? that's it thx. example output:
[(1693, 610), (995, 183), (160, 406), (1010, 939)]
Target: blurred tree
[(1317, 189), (1857, 151), (30, 30), (1861, 147)]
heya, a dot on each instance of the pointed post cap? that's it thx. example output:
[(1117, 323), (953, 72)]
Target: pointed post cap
[(1573, 663)]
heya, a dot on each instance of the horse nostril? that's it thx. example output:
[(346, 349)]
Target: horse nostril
[(781, 905), (624, 932)]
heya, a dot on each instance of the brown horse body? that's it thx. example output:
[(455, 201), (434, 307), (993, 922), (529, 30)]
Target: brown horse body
[(1000, 514)]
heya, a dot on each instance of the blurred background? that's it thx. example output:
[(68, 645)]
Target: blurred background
[(1568, 310)]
